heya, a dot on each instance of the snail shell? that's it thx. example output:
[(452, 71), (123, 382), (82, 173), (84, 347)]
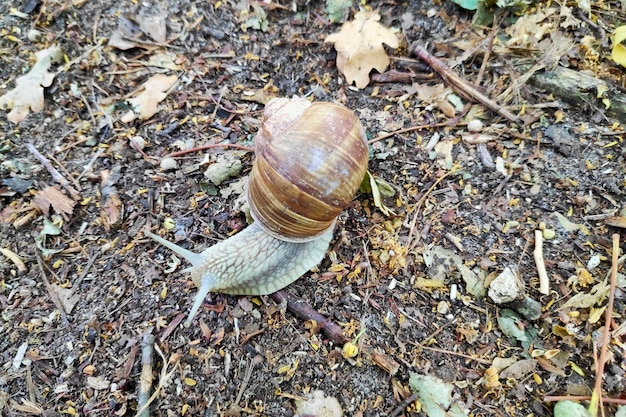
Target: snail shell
[(310, 161)]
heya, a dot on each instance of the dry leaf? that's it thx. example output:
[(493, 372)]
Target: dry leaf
[(14, 257), (67, 297), (28, 92), (359, 47), (126, 35), (54, 197), (152, 92), (616, 222), (154, 26), (585, 300), (112, 205)]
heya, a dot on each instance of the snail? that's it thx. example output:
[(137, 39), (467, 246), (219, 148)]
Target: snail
[(310, 161)]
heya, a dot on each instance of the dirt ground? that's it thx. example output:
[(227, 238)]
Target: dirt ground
[(92, 310)]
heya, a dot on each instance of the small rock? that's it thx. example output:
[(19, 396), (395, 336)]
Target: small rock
[(506, 287), (138, 142), (169, 164), (475, 126), (34, 35), (318, 405)]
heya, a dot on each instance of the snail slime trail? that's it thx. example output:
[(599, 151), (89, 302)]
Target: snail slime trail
[(310, 161)]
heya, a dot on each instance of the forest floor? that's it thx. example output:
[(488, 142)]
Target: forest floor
[(502, 170)]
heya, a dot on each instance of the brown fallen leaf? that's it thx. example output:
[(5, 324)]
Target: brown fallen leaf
[(360, 49), (67, 298), (54, 197), (616, 222), (126, 36), (151, 93), (154, 25), (112, 205)]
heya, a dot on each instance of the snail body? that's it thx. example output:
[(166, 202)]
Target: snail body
[(310, 161)]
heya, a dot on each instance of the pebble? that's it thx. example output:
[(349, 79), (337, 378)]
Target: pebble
[(34, 35), (506, 287), (475, 126), (169, 164)]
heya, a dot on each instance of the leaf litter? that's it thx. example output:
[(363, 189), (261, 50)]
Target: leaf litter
[(419, 293)]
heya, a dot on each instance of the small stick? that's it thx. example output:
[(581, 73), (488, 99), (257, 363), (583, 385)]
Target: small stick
[(145, 381), (608, 315), (53, 294), (56, 175), (164, 377), (544, 281), (460, 85), (212, 146), (399, 409), (246, 378), (554, 398), (14, 257), (406, 130), (304, 311)]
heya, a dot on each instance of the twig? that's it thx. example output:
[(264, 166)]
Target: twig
[(145, 381), (460, 85), (554, 398), (544, 281), (76, 284), (490, 38), (53, 294), (56, 175), (246, 379), (211, 146), (304, 311), (163, 378), (608, 315), (14, 257), (404, 404), (407, 129)]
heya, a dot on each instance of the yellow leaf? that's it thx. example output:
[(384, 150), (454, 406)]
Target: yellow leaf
[(577, 369), (619, 51)]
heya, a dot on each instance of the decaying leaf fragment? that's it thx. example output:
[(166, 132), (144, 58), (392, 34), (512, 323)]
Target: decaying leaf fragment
[(151, 93), (359, 47), (28, 92), (54, 197), (112, 205)]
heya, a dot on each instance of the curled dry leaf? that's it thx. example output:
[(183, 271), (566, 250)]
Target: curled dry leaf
[(28, 92), (13, 257), (360, 49)]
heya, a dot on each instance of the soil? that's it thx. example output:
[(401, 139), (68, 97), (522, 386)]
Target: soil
[(76, 328)]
